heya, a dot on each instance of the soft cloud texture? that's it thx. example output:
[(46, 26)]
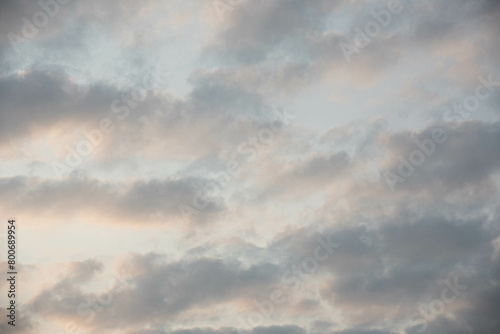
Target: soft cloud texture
[(175, 171)]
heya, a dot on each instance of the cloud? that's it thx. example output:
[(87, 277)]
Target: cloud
[(322, 176), (151, 289), (465, 159), (140, 202)]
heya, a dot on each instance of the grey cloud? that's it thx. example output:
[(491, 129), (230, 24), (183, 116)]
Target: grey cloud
[(24, 325), (279, 330), (37, 99), (442, 20), (467, 158), (300, 29), (158, 290), (108, 15), (260, 33), (13, 12), (305, 176), (396, 248), (290, 329), (64, 297), (151, 201), (477, 312), (402, 261), (444, 240), (361, 331), (266, 26)]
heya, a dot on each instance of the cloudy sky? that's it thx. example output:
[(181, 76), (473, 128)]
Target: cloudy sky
[(251, 166)]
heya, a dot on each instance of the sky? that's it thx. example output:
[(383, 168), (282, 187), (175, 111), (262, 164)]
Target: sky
[(251, 166)]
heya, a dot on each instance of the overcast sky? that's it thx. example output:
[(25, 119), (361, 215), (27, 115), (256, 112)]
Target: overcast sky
[(252, 166)]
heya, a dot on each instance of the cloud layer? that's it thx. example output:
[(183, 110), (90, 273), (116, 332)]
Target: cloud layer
[(251, 166)]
